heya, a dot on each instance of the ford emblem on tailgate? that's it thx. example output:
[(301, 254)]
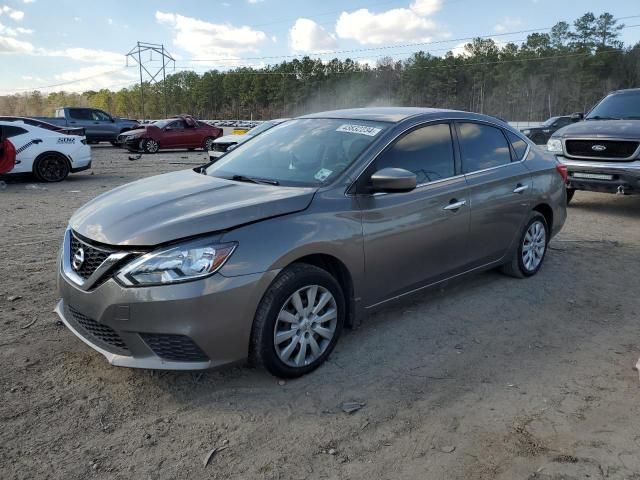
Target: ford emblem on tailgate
[(598, 148)]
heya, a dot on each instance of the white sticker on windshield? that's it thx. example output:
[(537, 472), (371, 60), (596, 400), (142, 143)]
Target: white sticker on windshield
[(361, 129), (322, 174)]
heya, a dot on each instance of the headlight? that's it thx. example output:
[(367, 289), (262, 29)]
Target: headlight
[(554, 145), (181, 263), (526, 132)]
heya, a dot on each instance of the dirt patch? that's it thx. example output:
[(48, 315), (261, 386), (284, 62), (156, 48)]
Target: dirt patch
[(449, 378)]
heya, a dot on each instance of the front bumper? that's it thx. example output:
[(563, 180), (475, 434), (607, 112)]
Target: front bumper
[(625, 176), (189, 326), (129, 142)]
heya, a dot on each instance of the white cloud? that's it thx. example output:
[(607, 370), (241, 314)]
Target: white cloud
[(110, 21), (274, 39), (12, 13), (508, 24), (204, 39), (255, 1), (11, 45), (307, 36), (94, 77), (395, 25), (28, 1), (425, 8), (87, 55)]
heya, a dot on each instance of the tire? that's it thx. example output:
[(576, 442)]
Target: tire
[(277, 315), (570, 193), (150, 146), (535, 230), (51, 167), (207, 144)]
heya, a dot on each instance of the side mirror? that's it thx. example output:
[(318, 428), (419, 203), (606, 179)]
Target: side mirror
[(166, 129), (576, 117), (393, 180)]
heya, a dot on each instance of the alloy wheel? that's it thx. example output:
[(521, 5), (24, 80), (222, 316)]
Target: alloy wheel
[(305, 326), (534, 245), (52, 168), (208, 144), (152, 146)]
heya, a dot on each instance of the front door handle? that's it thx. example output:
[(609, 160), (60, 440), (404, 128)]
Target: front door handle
[(520, 188), (455, 205)]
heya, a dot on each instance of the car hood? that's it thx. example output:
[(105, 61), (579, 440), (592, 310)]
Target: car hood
[(181, 204), (231, 139), (601, 128), (135, 131)]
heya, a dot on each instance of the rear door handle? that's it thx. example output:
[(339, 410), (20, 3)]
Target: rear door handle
[(455, 205), (520, 188)]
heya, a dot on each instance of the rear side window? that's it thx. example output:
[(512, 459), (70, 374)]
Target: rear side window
[(426, 151), (80, 113), (482, 146), (518, 144), (13, 131)]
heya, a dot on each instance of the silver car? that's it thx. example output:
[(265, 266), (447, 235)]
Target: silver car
[(270, 252)]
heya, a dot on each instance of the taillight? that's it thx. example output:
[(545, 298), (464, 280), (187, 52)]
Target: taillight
[(562, 170)]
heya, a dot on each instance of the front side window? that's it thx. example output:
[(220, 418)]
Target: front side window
[(101, 116), (425, 151), (301, 152), (482, 146)]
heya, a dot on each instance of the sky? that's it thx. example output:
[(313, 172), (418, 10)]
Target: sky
[(54, 45)]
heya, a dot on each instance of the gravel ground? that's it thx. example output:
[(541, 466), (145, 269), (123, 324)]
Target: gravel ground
[(490, 377)]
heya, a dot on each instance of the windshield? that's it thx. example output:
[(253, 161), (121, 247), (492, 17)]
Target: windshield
[(302, 152), (550, 121), (261, 128), (619, 106)]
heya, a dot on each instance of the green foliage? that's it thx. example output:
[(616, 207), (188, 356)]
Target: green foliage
[(563, 71)]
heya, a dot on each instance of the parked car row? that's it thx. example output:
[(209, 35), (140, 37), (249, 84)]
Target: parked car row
[(228, 142)]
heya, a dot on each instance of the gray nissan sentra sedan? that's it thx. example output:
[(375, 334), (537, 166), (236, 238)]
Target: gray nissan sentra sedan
[(268, 253)]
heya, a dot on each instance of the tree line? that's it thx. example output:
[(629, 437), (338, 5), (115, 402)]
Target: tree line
[(563, 71)]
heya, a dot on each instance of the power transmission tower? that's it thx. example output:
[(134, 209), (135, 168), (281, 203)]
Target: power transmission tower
[(136, 54)]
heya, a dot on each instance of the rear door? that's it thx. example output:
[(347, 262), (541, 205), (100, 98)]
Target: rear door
[(499, 189), (81, 117), (417, 237)]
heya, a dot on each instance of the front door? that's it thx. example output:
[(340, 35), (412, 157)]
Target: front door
[(417, 237), (499, 190), (173, 136)]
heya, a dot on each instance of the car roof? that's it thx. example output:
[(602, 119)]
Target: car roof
[(399, 114)]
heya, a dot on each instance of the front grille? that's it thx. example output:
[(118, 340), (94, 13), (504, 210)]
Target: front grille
[(93, 257), (220, 147), (102, 334), (613, 149), (177, 348)]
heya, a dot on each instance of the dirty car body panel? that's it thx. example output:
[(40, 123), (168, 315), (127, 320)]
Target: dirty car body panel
[(382, 245)]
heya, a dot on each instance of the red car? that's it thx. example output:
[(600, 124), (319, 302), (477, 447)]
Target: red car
[(183, 131)]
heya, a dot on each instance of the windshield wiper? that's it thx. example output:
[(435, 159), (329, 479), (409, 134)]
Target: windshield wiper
[(631, 117), (244, 178)]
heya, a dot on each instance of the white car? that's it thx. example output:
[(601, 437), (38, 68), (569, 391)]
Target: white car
[(49, 155), (223, 144)]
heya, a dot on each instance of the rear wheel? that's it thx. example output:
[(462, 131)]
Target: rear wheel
[(208, 144), (298, 321), (51, 167), (532, 247), (150, 145)]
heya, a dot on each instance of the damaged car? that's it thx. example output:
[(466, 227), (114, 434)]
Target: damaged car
[(270, 252)]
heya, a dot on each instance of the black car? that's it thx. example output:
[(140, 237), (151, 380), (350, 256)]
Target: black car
[(602, 154), (541, 134)]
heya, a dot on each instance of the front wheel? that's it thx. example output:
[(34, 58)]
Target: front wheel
[(298, 321), (207, 145), (51, 167), (150, 145), (532, 247)]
